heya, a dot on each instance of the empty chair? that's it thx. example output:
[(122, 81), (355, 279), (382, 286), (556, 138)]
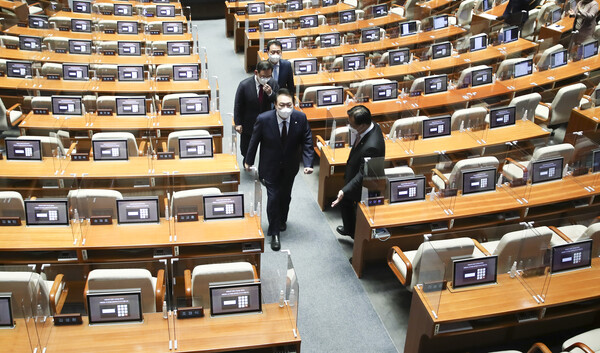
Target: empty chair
[(402, 171), (173, 140), (132, 147), (60, 22), (10, 118), (28, 286), (197, 281), (525, 105), (159, 45), (56, 43), (590, 101), (584, 342), (40, 102), (340, 134), (103, 7), (407, 127), (171, 101), (52, 69), (397, 10), (528, 31), (310, 93), (422, 265), (381, 34), (107, 45), (465, 79), (543, 14), (152, 288), (418, 85), (409, 9), (468, 118), (453, 180), (506, 68), (164, 70), (105, 70), (12, 205), (365, 88), (464, 14), (9, 40), (337, 63), (94, 202), (51, 146), (107, 25), (578, 232), (146, 10), (514, 170), (110, 103), (187, 201), (544, 61), (556, 115)]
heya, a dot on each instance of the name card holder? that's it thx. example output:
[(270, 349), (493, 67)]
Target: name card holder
[(109, 52), (80, 157), (158, 53), (53, 77), (339, 144), (190, 312), (100, 220), (187, 217), (240, 12), (60, 51), (109, 31), (162, 78), (104, 112), (414, 94), (10, 221), (66, 9), (251, 30), (107, 13), (108, 78), (10, 46), (362, 99), (21, 24), (375, 201), (154, 32), (41, 111), (168, 112), (64, 29), (165, 155), (67, 319), (307, 104), (335, 69)]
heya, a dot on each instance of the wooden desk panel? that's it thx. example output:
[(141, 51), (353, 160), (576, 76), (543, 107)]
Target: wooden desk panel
[(586, 120), (16, 340), (20, 9), (38, 32), (556, 31)]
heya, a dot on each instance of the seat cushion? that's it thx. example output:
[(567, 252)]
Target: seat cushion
[(514, 172), (401, 266), (542, 112), (438, 182), (203, 275), (15, 115)]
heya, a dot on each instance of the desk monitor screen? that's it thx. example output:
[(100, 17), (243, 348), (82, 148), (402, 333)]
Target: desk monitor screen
[(436, 84), (479, 180), (129, 48), (556, 15), (18, 69), (590, 49), (306, 67), (474, 272), (76, 72), (379, 10), (309, 21), (441, 50), (558, 59), (78, 25), (123, 9), (110, 150), (268, 24), (370, 34), (114, 306), (62, 105), (80, 47), (294, 5), (223, 206), (385, 91), (138, 210), (161, 1), (547, 170), (486, 5), (255, 8), (24, 150), (288, 43), (347, 16), (130, 73), (127, 27), (523, 68), (30, 43), (399, 56), (354, 62), (165, 10), (502, 117), (42, 212), (6, 314), (195, 147), (596, 161), (481, 77), (185, 72), (478, 42), (172, 28), (194, 105), (333, 96), (408, 28), (131, 106), (38, 21), (325, 3), (511, 34), (407, 189), (235, 298), (440, 22), (178, 48), (82, 7), (436, 127), (330, 40), (571, 256)]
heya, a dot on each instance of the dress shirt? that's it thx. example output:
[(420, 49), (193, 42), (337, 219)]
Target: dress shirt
[(363, 134)]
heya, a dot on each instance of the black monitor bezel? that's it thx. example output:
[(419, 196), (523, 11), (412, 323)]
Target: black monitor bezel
[(491, 186), (460, 261), (167, 23), (42, 201), (375, 7), (340, 89), (183, 139), (490, 75), (97, 156), (21, 43), (108, 293), (178, 42), (138, 199), (584, 45), (342, 13), (559, 174), (564, 51), (235, 285), (89, 6), (530, 61), (595, 155), (44, 17), (260, 5), (291, 40), (80, 40), (204, 204), (11, 62), (134, 23), (119, 99), (74, 97), (426, 122), (448, 46), (129, 6), (66, 78), (377, 99), (263, 20), (436, 17), (175, 78), (74, 21), (8, 297), (510, 28), (121, 42), (362, 61), (472, 40), (139, 79), (302, 18), (9, 139), (409, 33), (163, 16), (514, 117), (338, 39), (199, 96), (392, 52), (392, 181), (313, 60), (298, 2), (555, 249), (431, 78)]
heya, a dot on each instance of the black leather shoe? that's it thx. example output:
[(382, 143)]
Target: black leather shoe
[(283, 226), (275, 244), (342, 231)]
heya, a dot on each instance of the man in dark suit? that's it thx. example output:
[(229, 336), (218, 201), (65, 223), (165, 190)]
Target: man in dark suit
[(254, 96), (368, 142), (284, 137), (282, 69)]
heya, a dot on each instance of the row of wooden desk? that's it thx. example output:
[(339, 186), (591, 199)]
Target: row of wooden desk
[(100, 58), (105, 37)]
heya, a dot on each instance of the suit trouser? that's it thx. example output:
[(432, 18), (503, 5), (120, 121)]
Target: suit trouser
[(279, 196), (348, 210), (244, 143)]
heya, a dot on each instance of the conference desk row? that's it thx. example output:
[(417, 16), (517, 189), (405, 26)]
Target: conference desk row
[(239, 7), (106, 37), (333, 160), (48, 56), (407, 222), (586, 120)]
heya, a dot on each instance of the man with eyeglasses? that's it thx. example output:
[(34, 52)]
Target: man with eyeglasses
[(285, 138)]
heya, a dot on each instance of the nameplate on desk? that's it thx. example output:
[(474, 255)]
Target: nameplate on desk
[(154, 32), (168, 112), (159, 53), (339, 144), (434, 286), (148, 14), (240, 13), (40, 111), (362, 100), (415, 94), (67, 319), (335, 69), (10, 221), (64, 29), (80, 157), (60, 51), (190, 312), (109, 31), (251, 30), (66, 9), (187, 217), (375, 201), (449, 192), (109, 52), (104, 112), (165, 155), (162, 78), (108, 78), (106, 13), (53, 77), (21, 24), (307, 104), (10, 46), (100, 220)]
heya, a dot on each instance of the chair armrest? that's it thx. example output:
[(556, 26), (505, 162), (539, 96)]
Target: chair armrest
[(441, 176), (549, 112), (581, 346), (539, 346), (481, 248), (160, 290), (9, 110), (164, 147), (72, 148), (54, 307), (561, 234), (409, 269), (350, 93), (142, 148), (187, 279), (255, 273), (519, 165)]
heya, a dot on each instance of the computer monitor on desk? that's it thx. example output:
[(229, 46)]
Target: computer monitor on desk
[(379, 10), (185, 72), (479, 180), (436, 84), (138, 210), (407, 189), (325, 3), (474, 272), (330, 96), (23, 150), (194, 105), (127, 27), (478, 42), (46, 212), (172, 28), (596, 161), (481, 77), (110, 150), (30, 43), (131, 106), (76, 72), (178, 48), (288, 43), (547, 170), (510, 34), (268, 24), (399, 56), (571, 256), (79, 25), (294, 5), (130, 73), (306, 66), (18, 69), (123, 9), (558, 59), (504, 116), (38, 21), (436, 127), (223, 206), (329, 40), (81, 6), (589, 49), (129, 48), (385, 91), (195, 147), (235, 298), (66, 105), (408, 28), (255, 8), (6, 314), (114, 306), (309, 21), (523, 68), (80, 47), (165, 10), (441, 50), (347, 16), (486, 5), (555, 15), (440, 22), (354, 62), (370, 34)]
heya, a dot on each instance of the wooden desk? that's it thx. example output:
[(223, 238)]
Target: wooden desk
[(335, 159), (99, 58), (17, 340), (485, 21), (433, 7), (544, 200), (583, 120), (556, 31), (232, 7), (20, 9), (572, 300)]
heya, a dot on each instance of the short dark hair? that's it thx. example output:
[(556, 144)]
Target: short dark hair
[(273, 42), (361, 115), (263, 65), (285, 92)]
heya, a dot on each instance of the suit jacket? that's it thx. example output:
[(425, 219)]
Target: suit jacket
[(371, 145), (286, 76), (246, 107), (274, 156)]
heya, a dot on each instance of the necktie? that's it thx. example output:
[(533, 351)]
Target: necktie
[(260, 95), (276, 72), (283, 132), (356, 141)]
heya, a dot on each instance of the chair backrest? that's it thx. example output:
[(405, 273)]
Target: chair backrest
[(409, 9), (49, 145), (191, 200), (506, 68), (593, 232), (544, 61), (126, 278), (527, 245), (468, 118), (171, 101), (94, 202), (52, 69), (464, 14), (565, 100), (402, 171), (104, 25), (542, 14), (337, 63), (465, 75), (165, 70), (203, 275), (528, 29), (40, 102), (455, 178), (107, 102), (110, 45), (103, 7), (365, 88), (159, 45), (418, 85), (397, 10), (564, 150), (22, 285), (59, 21), (103, 70), (132, 148), (341, 133), (11, 204), (9, 40), (360, 14), (407, 126), (173, 140), (525, 104), (54, 43), (431, 255)]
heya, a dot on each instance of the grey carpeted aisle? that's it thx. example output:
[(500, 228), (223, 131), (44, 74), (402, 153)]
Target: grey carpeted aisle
[(335, 313)]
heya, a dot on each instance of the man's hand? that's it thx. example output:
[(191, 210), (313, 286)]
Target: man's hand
[(267, 89), (308, 170), (238, 128), (339, 198), (247, 167)]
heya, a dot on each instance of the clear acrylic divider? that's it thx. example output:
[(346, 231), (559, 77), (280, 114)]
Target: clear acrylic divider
[(335, 137), (586, 159), (447, 190), (430, 276), (514, 175), (373, 189)]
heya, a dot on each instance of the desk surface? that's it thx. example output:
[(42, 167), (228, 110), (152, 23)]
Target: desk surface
[(16, 340), (294, 14), (101, 58)]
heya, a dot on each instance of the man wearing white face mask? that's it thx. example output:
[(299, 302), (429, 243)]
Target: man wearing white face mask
[(282, 69), (285, 138)]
